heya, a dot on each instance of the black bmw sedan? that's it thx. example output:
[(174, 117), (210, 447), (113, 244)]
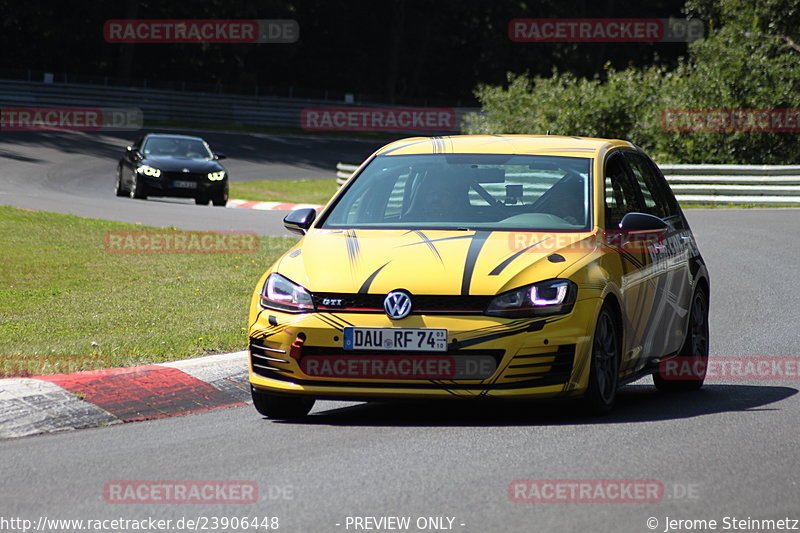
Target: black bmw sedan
[(172, 165)]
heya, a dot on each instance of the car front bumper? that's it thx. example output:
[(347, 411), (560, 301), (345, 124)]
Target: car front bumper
[(166, 187), (521, 358)]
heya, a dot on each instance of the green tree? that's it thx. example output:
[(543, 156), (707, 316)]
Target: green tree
[(750, 60)]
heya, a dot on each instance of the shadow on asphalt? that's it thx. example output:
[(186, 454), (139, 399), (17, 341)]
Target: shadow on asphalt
[(635, 403)]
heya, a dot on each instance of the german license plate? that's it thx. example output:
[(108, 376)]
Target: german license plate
[(185, 184), (405, 339)]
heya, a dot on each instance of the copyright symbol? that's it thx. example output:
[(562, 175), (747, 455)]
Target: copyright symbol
[(652, 522)]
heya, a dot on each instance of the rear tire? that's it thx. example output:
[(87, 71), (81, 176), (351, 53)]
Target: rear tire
[(281, 407), (201, 200), (604, 371), (694, 349)]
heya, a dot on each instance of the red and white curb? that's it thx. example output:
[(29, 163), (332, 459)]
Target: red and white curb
[(44, 404), (269, 206)]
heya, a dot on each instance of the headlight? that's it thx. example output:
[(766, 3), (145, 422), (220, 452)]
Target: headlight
[(551, 297), (147, 170), (282, 295), (216, 176)]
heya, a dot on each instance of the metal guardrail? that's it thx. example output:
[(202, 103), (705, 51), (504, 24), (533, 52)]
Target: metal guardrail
[(734, 184), (176, 106), (343, 172), (713, 184)]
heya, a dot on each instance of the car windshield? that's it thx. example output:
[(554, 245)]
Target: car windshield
[(177, 147), (467, 191)]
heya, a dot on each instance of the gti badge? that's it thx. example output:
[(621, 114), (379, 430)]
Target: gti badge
[(397, 305)]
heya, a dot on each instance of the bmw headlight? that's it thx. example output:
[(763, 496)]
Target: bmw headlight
[(551, 297), (216, 176), (147, 170), (283, 295)]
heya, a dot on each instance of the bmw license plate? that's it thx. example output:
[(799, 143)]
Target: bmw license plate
[(184, 184), (404, 339)]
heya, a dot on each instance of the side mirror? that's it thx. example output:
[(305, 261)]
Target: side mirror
[(133, 154), (642, 223), (299, 220), (220, 157)]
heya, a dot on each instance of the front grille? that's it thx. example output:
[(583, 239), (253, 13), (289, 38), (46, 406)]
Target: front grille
[(420, 303), (183, 176), (548, 368)]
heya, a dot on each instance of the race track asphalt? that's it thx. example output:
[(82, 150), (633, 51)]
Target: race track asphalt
[(729, 450), (74, 172)]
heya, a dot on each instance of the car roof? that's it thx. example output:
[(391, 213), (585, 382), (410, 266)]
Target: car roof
[(505, 144), (174, 136)]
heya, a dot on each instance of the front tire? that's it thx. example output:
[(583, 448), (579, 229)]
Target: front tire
[(220, 200), (137, 189), (604, 371), (281, 407), (694, 350), (119, 190)]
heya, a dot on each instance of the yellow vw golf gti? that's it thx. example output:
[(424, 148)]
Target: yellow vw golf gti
[(469, 267)]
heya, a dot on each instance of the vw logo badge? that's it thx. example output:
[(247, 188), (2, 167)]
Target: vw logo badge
[(185, 170), (397, 305)]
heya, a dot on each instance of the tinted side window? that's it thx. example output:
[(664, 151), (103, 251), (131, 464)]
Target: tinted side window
[(663, 187), (620, 193), (647, 182)]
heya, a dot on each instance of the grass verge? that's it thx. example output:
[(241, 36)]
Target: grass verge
[(67, 304), (317, 191)]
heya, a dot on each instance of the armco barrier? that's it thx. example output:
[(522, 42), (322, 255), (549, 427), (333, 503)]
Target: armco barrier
[(734, 184), (721, 184), (181, 107)]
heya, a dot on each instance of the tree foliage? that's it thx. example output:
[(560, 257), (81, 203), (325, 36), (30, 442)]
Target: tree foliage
[(750, 60)]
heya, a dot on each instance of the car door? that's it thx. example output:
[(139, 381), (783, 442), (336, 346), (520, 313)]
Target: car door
[(668, 259), (633, 261)]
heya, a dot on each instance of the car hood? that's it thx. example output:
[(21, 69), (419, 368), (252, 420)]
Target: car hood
[(429, 261), (177, 164)]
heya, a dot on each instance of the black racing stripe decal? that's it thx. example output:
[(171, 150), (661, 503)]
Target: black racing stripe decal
[(365, 286), (536, 325), (342, 320), (257, 317), (353, 249), (436, 240), (330, 322), (430, 245), (478, 240), (499, 268)]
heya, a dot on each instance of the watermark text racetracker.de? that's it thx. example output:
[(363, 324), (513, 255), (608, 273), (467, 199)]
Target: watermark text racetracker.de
[(600, 491), (728, 120), (378, 119), (180, 492), (727, 368), (610, 30), (231, 31), (179, 242), (70, 118), (36, 365)]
